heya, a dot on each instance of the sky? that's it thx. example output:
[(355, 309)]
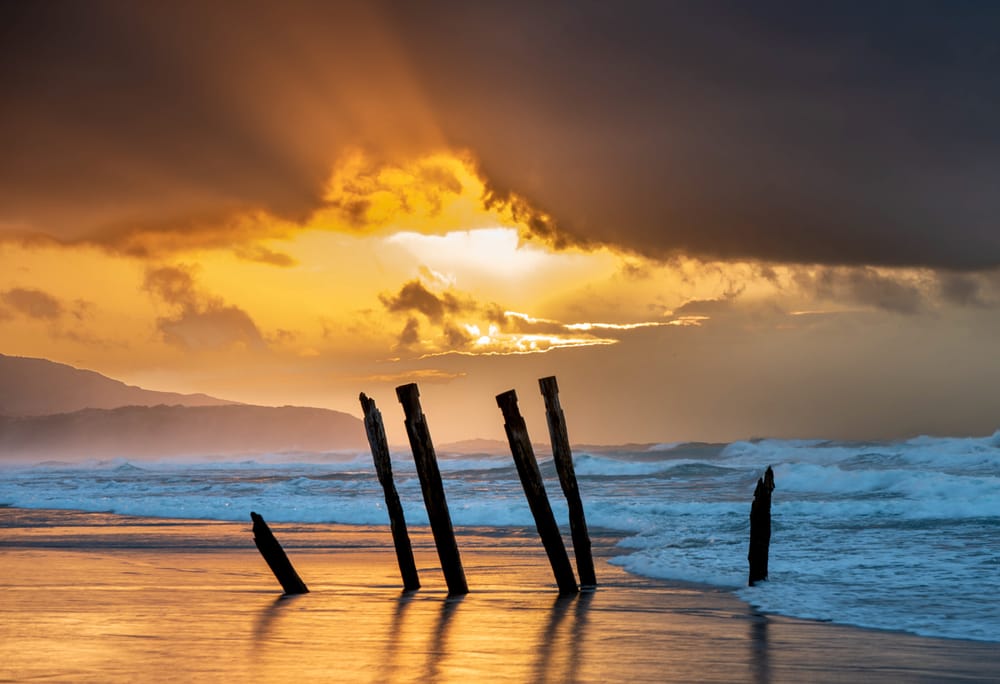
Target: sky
[(709, 220)]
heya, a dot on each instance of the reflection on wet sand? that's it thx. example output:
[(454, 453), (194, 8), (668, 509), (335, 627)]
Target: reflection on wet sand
[(437, 652), (558, 651), (268, 616), (759, 657), (392, 637), (148, 614)]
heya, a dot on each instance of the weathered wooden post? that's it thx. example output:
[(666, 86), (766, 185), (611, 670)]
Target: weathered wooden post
[(276, 558), (534, 490), (433, 490), (383, 467), (760, 527), (563, 457)]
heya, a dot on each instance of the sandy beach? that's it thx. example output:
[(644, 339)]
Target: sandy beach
[(104, 598)]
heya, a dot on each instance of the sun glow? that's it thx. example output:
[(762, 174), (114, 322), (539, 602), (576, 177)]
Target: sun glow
[(494, 251), (403, 262)]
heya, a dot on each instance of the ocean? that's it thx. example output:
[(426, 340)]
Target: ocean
[(888, 535)]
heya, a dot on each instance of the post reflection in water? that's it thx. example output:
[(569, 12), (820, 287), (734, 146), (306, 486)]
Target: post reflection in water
[(579, 630), (759, 657), (559, 654), (547, 637), (438, 650), (268, 616), (392, 639), (516, 637)]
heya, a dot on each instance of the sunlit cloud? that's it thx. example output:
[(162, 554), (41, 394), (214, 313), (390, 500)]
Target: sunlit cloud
[(424, 375), (450, 322), (432, 194), (686, 321), (496, 343), (620, 326), (528, 319), (428, 195)]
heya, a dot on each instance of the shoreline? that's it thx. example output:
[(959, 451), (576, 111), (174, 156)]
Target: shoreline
[(118, 598)]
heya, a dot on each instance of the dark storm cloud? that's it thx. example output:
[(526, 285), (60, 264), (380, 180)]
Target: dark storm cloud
[(820, 133), (975, 290), (121, 118), (847, 133), (865, 286)]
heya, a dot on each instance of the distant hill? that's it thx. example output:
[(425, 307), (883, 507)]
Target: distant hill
[(474, 446), (37, 387), (155, 431)]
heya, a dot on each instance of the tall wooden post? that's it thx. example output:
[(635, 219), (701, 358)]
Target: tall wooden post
[(433, 489), (275, 556), (760, 527), (563, 457), (383, 467), (534, 490)]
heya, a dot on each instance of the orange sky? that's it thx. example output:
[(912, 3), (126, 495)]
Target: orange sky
[(325, 216)]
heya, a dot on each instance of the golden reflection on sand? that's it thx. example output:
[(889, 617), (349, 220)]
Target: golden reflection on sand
[(175, 602)]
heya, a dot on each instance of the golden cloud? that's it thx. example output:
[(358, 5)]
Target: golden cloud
[(450, 322)]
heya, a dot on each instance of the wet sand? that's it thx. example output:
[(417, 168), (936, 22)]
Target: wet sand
[(104, 598)]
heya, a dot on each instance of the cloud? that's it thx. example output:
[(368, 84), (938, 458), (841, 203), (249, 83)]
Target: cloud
[(261, 254), (172, 284), (200, 321), (965, 290), (457, 324), (216, 327), (457, 337), (282, 336), (410, 334), (33, 303), (40, 305), (718, 130), (432, 376), (710, 307), (365, 192), (415, 297), (772, 134), (146, 130), (891, 292), (67, 320)]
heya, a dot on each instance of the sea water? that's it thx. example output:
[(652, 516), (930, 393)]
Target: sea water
[(896, 535)]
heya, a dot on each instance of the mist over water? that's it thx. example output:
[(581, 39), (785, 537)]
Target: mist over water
[(895, 535)]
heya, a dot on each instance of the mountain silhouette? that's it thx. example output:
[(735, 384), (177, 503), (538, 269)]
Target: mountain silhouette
[(51, 411), (37, 387)]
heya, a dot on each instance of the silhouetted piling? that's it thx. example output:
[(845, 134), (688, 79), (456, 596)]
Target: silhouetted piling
[(276, 558), (563, 457), (760, 527), (383, 467), (433, 490), (534, 490)]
